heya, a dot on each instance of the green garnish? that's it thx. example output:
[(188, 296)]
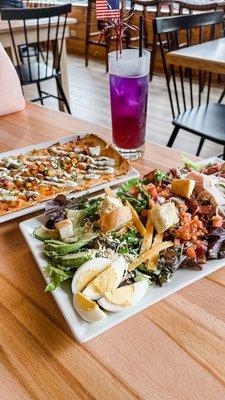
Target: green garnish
[(159, 176), (129, 184), (130, 242), (91, 209)]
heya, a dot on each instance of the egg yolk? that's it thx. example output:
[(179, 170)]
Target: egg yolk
[(104, 282), (84, 302), (86, 277), (121, 296)]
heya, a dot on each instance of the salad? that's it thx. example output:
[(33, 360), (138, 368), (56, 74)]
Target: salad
[(115, 246)]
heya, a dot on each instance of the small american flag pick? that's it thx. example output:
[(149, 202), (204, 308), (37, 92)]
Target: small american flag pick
[(107, 9)]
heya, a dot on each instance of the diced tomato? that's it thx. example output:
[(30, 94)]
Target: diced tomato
[(164, 193), (151, 203), (205, 209), (7, 184), (191, 252), (151, 189), (201, 252), (217, 221), (69, 169), (133, 191), (176, 242), (211, 170), (144, 212), (82, 166)]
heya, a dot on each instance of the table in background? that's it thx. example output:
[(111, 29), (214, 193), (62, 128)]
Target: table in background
[(208, 56), (171, 351), (5, 39)]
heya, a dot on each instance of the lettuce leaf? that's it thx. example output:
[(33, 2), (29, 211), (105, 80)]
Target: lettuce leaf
[(139, 202), (194, 166), (91, 208), (57, 276), (129, 184)]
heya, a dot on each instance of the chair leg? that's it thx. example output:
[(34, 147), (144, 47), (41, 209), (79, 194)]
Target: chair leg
[(153, 55), (173, 136), (62, 94), (86, 54), (88, 30), (222, 96), (39, 93), (224, 153), (200, 146)]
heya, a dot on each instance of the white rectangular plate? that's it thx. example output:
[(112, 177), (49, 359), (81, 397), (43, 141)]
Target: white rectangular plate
[(84, 331), (13, 153)]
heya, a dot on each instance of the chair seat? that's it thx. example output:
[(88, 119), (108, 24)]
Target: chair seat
[(207, 121), (38, 73)]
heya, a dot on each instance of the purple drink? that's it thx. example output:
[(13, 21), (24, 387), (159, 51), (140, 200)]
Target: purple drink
[(129, 109), (128, 78)]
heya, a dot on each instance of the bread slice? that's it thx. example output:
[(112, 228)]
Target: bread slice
[(116, 219), (65, 228), (164, 216), (183, 187)]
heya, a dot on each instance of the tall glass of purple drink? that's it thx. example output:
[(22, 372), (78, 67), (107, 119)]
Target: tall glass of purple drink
[(128, 78)]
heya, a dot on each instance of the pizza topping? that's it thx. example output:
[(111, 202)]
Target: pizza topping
[(11, 163), (108, 170), (8, 198), (58, 151), (60, 183), (41, 158), (89, 176), (41, 173), (95, 151), (31, 194)]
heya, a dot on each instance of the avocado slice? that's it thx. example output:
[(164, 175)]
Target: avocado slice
[(78, 232), (72, 260), (76, 216), (42, 233), (52, 249)]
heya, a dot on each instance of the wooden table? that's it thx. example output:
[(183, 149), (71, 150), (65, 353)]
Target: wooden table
[(171, 351), (6, 41), (208, 56)]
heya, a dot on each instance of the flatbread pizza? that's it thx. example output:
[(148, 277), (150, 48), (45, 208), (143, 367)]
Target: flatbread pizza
[(41, 174)]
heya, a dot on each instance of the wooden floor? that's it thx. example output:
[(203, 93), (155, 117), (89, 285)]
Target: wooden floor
[(89, 97)]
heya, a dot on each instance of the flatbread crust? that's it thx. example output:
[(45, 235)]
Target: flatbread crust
[(122, 167)]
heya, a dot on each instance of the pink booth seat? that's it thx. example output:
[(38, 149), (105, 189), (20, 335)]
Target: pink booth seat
[(11, 96)]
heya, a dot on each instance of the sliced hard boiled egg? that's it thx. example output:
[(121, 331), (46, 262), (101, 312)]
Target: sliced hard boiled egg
[(87, 272), (88, 309), (123, 297), (107, 280)]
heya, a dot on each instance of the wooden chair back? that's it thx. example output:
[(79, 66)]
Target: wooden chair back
[(172, 33), (47, 57)]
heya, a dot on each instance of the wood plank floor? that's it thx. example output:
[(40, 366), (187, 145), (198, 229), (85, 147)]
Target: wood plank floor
[(89, 97)]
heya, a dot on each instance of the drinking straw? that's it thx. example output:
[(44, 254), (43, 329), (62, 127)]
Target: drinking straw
[(140, 36)]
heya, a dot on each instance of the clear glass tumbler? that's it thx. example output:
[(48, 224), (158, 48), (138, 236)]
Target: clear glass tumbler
[(129, 79)]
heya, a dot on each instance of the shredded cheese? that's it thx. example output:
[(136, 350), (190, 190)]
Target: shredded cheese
[(151, 263), (147, 240), (149, 253), (137, 222)]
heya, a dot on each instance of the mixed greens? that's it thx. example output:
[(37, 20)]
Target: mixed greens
[(175, 212)]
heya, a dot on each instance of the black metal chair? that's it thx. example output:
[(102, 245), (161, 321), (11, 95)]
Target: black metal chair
[(45, 63), (191, 109)]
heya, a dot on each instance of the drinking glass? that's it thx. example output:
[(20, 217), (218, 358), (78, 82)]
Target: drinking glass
[(129, 78)]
